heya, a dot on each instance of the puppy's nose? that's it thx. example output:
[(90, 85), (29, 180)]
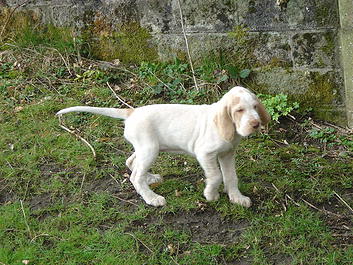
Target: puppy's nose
[(256, 125)]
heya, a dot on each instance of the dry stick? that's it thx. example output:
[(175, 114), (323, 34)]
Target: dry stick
[(25, 218), (139, 241), (34, 238), (117, 182), (10, 15), (322, 210), (187, 45), (83, 180), (286, 195), (127, 201), (78, 136), (122, 101), (344, 202), (159, 79), (62, 57)]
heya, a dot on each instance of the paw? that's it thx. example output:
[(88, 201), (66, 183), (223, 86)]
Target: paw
[(157, 201), (153, 178), (240, 199), (211, 196)]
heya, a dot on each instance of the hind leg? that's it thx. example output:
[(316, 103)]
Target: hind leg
[(151, 178), (142, 163)]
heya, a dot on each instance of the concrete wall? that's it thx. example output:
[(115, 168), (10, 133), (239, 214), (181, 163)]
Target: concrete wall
[(292, 45), (346, 36)]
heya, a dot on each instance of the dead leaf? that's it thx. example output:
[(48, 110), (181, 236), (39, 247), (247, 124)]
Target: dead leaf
[(178, 193)]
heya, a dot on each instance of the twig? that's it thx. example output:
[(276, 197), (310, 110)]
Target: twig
[(344, 202), (34, 238), (78, 136), (187, 45), (286, 195), (10, 15), (160, 80), (139, 241), (25, 218), (115, 196), (122, 101), (117, 182), (62, 57), (289, 197), (83, 180), (322, 210)]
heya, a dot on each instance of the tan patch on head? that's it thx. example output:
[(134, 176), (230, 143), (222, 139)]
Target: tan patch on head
[(235, 100), (236, 116), (225, 118), (224, 123), (264, 116)]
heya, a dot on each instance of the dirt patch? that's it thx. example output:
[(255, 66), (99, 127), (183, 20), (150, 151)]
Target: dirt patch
[(40, 201), (206, 226), (6, 195), (106, 184)]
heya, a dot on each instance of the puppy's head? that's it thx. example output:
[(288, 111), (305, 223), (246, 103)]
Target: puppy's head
[(239, 111)]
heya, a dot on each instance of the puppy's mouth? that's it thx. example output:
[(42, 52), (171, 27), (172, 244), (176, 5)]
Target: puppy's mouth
[(248, 131)]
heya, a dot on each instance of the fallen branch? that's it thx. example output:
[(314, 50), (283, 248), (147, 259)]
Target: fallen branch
[(322, 210), (344, 202), (286, 195), (78, 136), (121, 199), (34, 238), (83, 180), (139, 241), (122, 101), (25, 219), (187, 45), (62, 57)]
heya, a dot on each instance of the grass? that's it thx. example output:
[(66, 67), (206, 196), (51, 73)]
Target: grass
[(59, 205)]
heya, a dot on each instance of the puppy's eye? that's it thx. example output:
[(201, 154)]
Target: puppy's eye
[(255, 107), (240, 110)]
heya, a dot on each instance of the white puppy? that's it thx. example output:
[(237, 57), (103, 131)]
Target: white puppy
[(208, 132)]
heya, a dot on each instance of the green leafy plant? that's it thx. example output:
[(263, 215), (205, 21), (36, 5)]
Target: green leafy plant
[(278, 106), (217, 68), (325, 135), (329, 136), (92, 75), (167, 79)]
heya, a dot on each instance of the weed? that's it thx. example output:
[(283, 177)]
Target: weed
[(278, 106), (325, 135), (328, 136)]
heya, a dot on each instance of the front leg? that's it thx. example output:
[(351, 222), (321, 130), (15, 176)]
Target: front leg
[(213, 175), (230, 180)]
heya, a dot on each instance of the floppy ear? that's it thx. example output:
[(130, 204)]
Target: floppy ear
[(224, 123), (264, 116)]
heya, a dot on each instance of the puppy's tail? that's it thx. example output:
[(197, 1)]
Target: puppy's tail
[(110, 112)]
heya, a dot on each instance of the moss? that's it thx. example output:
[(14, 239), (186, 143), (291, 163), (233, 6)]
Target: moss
[(321, 91), (133, 44), (129, 43), (322, 96), (329, 47), (242, 51), (323, 12), (16, 23)]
